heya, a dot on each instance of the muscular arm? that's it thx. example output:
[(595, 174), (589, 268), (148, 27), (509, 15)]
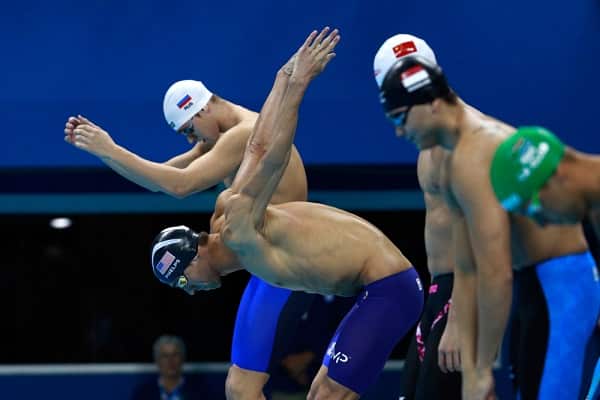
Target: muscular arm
[(489, 234), (201, 174), (268, 149), (185, 159), (137, 179), (464, 294)]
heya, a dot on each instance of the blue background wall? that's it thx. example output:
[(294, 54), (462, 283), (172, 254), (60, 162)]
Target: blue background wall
[(533, 62)]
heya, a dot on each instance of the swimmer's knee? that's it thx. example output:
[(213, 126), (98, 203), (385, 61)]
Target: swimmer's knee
[(243, 384)]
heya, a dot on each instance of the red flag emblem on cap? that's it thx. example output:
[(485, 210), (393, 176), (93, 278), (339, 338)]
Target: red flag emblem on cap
[(404, 49), (415, 78)]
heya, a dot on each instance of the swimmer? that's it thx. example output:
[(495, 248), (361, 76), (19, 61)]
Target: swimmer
[(301, 245), (218, 130), (553, 269), (535, 174), (431, 368)]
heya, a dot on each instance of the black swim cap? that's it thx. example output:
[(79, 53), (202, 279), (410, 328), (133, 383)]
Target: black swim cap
[(172, 251), (412, 80)]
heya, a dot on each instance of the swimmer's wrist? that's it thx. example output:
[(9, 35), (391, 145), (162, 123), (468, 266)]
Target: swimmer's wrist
[(286, 70), (483, 367), (113, 152), (299, 83)]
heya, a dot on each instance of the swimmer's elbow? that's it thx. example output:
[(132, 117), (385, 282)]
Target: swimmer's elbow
[(183, 186), (180, 192)]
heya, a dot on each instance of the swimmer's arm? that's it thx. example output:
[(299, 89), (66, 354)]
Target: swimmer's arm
[(185, 159), (138, 180), (269, 147), (489, 234), (201, 174), (464, 294)]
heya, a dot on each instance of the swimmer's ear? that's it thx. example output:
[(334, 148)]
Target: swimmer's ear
[(435, 105), (202, 239)]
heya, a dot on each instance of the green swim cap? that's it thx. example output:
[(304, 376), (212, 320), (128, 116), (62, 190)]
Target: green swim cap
[(522, 164)]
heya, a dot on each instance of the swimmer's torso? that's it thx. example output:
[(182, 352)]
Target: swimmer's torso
[(312, 247), (438, 228), (530, 243), (292, 187)]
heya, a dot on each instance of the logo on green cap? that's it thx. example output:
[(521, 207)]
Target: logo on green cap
[(522, 164)]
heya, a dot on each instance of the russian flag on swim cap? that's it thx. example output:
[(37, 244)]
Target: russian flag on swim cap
[(184, 101)]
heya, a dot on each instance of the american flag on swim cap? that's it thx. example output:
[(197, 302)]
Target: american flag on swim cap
[(165, 262), (415, 78)]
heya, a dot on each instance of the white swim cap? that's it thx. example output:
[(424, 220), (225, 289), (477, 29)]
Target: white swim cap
[(183, 100), (397, 47)]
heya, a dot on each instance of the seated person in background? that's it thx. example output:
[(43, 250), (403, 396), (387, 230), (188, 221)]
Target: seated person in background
[(169, 356), (291, 379)]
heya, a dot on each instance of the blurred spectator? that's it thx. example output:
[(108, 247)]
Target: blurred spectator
[(169, 356), (291, 381)]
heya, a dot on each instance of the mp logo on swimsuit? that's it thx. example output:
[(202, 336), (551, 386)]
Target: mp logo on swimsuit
[(337, 356)]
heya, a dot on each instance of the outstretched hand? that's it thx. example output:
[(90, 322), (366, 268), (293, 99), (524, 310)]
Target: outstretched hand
[(84, 134), (313, 56)]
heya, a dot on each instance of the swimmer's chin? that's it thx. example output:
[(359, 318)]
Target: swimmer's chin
[(203, 288)]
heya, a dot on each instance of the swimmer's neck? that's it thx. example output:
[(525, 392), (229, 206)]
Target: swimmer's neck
[(455, 120), (229, 115), (170, 383), (223, 260), (585, 171)]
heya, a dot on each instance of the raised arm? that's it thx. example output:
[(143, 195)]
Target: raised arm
[(202, 173), (268, 149)]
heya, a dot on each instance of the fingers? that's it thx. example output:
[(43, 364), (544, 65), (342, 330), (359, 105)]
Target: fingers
[(79, 142), (442, 361), (73, 121), (449, 361), (308, 42), (456, 360), (86, 121), (71, 124), (83, 130), (450, 365), (319, 39), (328, 58), (328, 44), (322, 42)]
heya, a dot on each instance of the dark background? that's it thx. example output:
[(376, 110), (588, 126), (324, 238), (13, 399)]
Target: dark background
[(87, 294)]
